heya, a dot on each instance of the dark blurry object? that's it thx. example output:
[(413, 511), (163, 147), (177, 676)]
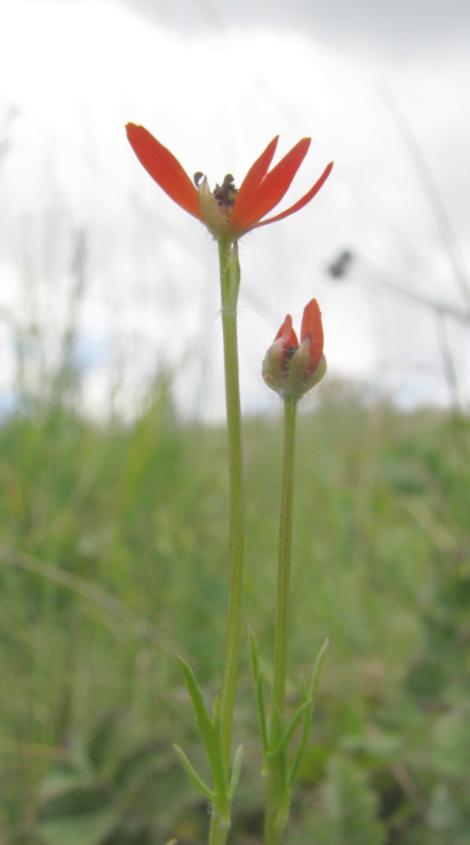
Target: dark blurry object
[(367, 273), (341, 265)]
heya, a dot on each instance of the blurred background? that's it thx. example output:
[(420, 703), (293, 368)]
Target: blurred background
[(112, 461)]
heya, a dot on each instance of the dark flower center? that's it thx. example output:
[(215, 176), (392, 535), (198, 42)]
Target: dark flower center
[(224, 194)]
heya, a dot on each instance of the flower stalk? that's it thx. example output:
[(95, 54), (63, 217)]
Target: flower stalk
[(276, 765), (285, 557), (229, 285), (291, 369)]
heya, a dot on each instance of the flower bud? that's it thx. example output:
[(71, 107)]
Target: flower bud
[(290, 368)]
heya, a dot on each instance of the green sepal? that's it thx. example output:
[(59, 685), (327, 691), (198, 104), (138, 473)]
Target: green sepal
[(308, 712), (192, 774), (234, 274)]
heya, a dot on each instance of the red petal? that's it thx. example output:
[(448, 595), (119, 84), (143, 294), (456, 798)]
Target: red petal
[(313, 330), (272, 188), (254, 177), (302, 201), (164, 168), (287, 333)]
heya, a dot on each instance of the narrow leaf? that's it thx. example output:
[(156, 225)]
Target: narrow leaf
[(317, 666), (192, 774), (262, 714), (216, 711), (204, 721), (278, 724), (287, 735), (208, 730), (259, 688), (236, 769), (254, 655), (308, 713), (281, 759)]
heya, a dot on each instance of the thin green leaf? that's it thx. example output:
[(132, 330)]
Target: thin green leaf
[(254, 656), (287, 735), (208, 730), (192, 774), (204, 721), (280, 761), (308, 713), (317, 667), (259, 688), (216, 712), (236, 769), (278, 724), (262, 714)]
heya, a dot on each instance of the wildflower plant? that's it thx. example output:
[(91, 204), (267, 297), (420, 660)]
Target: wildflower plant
[(291, 369)]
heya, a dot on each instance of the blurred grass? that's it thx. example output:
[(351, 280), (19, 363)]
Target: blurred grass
[(112, 559)]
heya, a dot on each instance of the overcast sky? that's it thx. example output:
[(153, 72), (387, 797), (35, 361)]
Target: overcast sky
[(377, 26), (215, 81)]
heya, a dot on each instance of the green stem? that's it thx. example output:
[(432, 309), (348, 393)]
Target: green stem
[(285, 555), (277, 776), (229, 282), (229, 285), (219, 828), (277, 816)]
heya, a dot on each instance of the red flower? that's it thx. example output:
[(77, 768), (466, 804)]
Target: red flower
[(290, 368), (227, 212)]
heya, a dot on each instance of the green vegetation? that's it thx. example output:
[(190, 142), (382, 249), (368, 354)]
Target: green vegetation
[(113, 560)]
